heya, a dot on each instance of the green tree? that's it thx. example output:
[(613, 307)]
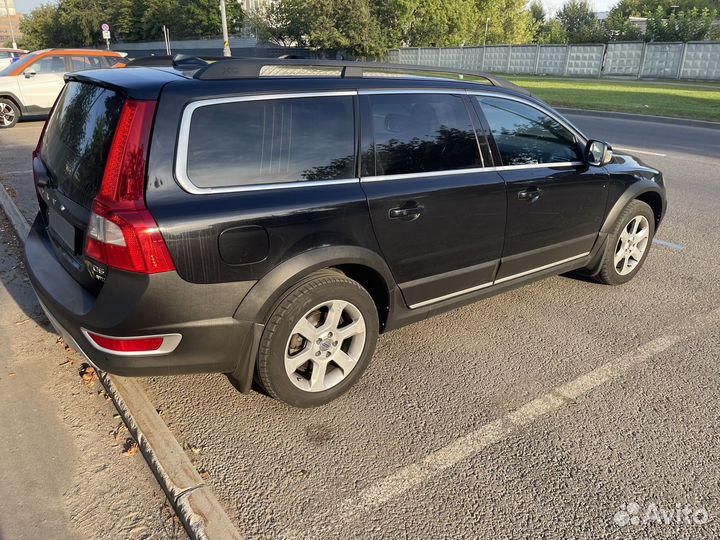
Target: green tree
[(692, 25), (510, 22), (579, 20), (537, 10), (40, 29), (553, 32), (202, 17)]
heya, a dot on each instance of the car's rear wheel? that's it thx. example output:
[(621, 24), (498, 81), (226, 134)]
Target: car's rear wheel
[(9, 113), (318, 341), (628, 244)]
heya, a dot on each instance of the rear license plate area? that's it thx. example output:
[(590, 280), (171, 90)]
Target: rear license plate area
[(63, 231)]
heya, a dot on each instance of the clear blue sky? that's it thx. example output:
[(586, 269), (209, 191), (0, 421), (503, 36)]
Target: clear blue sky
[(25, 6)]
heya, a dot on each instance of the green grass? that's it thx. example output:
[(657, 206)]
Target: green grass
[(699, 101)]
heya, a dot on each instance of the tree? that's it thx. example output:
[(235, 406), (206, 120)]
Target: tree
[(39, 28), (202, 17), (578, 19), (692, 25), (510, 22), (537, 10), (553, 32)]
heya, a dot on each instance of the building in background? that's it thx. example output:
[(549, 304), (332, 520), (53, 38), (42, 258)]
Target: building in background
[(9, 16), (252, 5)]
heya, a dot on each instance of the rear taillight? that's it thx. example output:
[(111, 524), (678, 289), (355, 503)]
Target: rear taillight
[(121, 232)]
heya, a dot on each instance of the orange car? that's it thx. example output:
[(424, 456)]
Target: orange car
[(30, 85)]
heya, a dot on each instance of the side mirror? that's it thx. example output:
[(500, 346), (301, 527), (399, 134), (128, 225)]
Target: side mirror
[(598, 153), (29, 73)]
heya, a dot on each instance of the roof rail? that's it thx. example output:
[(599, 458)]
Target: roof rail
[(251, 68), (179, 61)]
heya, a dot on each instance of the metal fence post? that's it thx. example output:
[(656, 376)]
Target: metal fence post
[(537, 58), (507, 66), (682, 61)]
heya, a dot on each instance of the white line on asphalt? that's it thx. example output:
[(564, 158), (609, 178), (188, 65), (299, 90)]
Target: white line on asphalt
[(625, 149), (395, 485), (29, 171), (669, 245)]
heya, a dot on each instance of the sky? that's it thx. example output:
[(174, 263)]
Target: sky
[(25, 6)]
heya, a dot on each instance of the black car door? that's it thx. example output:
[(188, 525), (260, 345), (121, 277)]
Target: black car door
[(556, 202), (437, 211)]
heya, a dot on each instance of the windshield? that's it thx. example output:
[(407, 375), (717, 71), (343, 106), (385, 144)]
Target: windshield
[(20, 63)]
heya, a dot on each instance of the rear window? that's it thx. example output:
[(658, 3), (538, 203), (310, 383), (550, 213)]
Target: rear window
[(78, 137), (419, 133), (272, 141)]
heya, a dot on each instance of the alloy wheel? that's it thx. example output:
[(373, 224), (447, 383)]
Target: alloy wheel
[(7, 114), (325, 345), (632, 245)]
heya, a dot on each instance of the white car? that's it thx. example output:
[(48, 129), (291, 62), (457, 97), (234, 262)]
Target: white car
[(8, 56), (30, 85)]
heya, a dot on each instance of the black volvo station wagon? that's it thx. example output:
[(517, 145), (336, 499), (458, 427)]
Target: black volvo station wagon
[(270, 218)]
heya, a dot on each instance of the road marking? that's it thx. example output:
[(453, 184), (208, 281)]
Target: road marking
[(625, 149), (29, 171), (410, 476), (669, 245)]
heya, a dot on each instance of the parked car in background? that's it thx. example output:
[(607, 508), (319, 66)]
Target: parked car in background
[(8, 56), (30, 85)]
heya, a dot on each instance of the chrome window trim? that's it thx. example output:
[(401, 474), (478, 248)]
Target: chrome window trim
[(497, 281), (181, 155), (564, 122), (474, 170)]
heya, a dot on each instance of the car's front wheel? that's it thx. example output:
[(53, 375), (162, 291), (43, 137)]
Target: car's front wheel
[(9, 113), (628, 244), (318, 341)]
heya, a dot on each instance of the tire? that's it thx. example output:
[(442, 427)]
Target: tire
[(9, 113), (625, 251), (310, 352)]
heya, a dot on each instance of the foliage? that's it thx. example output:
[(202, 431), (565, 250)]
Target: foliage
[(76, 23), (552, 32), (692, 25)]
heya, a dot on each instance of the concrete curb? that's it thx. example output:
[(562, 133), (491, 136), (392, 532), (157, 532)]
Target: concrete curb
[(201, 513), (641, 117)]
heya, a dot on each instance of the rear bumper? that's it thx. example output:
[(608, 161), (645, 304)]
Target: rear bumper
[(132, 304)]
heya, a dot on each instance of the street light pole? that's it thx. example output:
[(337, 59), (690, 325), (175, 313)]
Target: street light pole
[(226, 39), (12, 30), (487, 22)]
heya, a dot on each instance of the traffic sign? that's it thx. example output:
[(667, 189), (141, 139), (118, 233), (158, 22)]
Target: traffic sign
[(106, 34), (105, 27)]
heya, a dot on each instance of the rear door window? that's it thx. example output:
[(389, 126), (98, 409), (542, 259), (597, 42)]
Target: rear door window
[(525, 135), (77, 139), (49, 64), (78, 63), (272, 141), (417, 133)]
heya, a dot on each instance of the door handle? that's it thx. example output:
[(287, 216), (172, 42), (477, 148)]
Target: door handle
[(409, 213), (530, 194)]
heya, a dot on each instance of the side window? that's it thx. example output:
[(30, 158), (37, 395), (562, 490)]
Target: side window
[(5, 54), (524, 135), (415, 133), (271, 141), (49, 64), (78, 63)]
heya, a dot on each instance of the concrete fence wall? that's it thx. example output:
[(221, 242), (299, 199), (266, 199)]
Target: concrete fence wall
[(698, 60)]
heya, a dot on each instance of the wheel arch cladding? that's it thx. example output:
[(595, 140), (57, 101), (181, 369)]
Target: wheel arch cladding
[(374, 284), (654, 201), (361, 264)]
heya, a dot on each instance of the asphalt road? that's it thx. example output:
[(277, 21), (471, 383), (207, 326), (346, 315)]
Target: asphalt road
[(562, 409)]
